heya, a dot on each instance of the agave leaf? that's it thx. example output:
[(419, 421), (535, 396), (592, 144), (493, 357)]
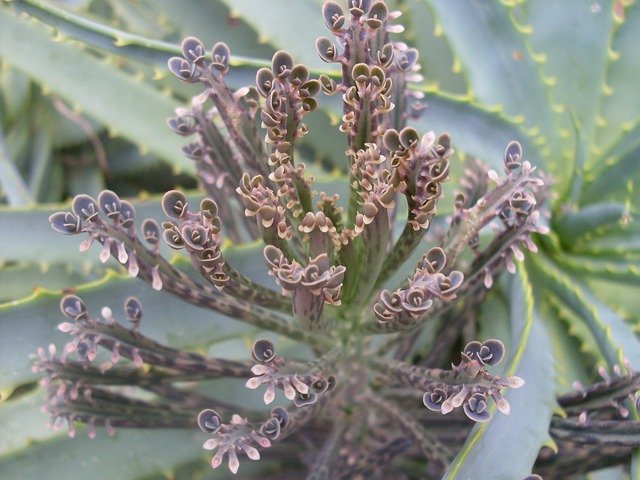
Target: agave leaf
[(274, 26), (622, 240), (621, 106), (499, 63), (119, 42), (518, 436), (615, 339), (104, 92), (574, 37), (32, 322), (130, 455)]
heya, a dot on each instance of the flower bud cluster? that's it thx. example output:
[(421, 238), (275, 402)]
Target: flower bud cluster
[(240, 435), (261, 202), (420, 165), (405, 306), (272, 371), (198, 233), (473, 385), (310, 286)]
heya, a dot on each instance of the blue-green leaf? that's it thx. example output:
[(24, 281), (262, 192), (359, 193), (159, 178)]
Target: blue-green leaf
[(519, 436)]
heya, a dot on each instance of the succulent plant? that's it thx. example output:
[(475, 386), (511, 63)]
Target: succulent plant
[(344, 262)]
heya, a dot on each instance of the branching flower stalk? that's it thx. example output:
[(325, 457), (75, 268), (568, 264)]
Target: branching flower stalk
[(331, 260)]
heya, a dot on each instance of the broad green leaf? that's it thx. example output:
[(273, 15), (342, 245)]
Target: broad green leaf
[(621, 105), (573, 225), (20, 280), (613, 173), (518, 436), (292, 26), (32, 322), (439, 64), (211, 22), (12, 184), (474, 129), (129, 455), (14, 94), (622, 240), (27, 236), (569, 358), (615, 339), (110, 96), (22, 422), (499, 64), (573, 36), (627, 272)]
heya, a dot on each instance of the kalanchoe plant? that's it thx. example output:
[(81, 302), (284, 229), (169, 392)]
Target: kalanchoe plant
[(332, 262), (359, 396)]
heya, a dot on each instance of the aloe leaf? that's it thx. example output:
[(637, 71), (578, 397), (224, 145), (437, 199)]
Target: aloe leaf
[(518, 436), (275, 26), (131, 454), (11, 182), (615, 339), (614, 270), (499, 64), (211, 22), (622, 240), (21, 280), (22, 422), (14, 94), (32, 322), (475, 130), (26, 234), (620, 105), (106, 94), (569, 359), (574, 225), (439, 65), (573, 36), (613, 173)]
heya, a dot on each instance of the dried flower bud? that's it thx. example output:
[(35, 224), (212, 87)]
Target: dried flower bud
[(263, 351), (174, 204), (133, 309), (182, 69), (85, 208), (281, 64), (333, 15), (476, 408), (193, 50), (209, 421), (73, 307), (66, 223), (220, 54)]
